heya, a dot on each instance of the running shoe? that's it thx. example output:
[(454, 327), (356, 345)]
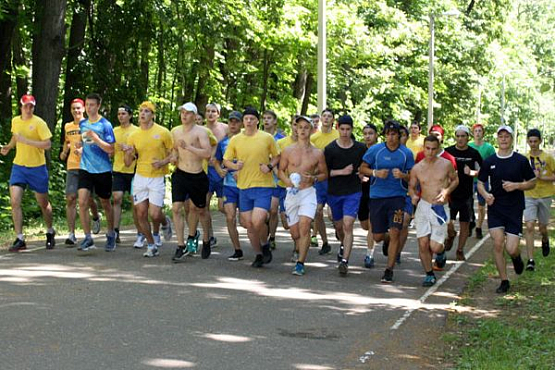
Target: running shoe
[(545, 248), (314, 241), (151, 251), (460, 255), (110, 245), (429, 280), (87, 245), (213, 242), (157, 240), (504, 287), (167, 230), (325, 249), (479, 234), (266, 253), (441, 260), (387, 277), (71, 241), (258, 263), (236, 256), (50, 240), (180, 253), (191, 246), (531, 265), (206, 250), (518, 265), (368, 262), (343, 268), (340, 253), (299, 269), (195, 239), (140, 242), (96, 224), (272, 243), (18, 245)]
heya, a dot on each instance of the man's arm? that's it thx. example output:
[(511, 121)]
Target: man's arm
[(6, 148), (413, 182), (41, 144), (284, 163), (107, 147)]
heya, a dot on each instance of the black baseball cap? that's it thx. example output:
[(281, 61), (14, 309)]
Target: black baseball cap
[(534, 132)]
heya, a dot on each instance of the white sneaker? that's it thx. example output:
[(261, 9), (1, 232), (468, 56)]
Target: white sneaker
[(140, 242), (157, 240), (167, 230), (152, 251)]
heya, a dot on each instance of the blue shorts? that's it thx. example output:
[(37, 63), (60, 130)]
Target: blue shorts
[(231, 194), (344, 205), (409, 208), (255, 198), (481, 200), (34, 177), (216, 187), (280, 193), (386, 213), (321, 192), (509, 219)]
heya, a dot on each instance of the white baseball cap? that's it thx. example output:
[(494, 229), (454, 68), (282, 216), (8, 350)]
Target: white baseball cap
[(505, 128), (189, 107)]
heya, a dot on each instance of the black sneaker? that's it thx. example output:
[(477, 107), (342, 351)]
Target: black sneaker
[(518, 265), (479, 234), (50, 240), (340, 253), (531, 265), (545, 248), (387, 277), (237, 256), (385, 246), (206, 250), (180, 253), (258, 263), (18, 245), (118, 240), (504, 287), (343, 268), (325, 249), (266, 253)]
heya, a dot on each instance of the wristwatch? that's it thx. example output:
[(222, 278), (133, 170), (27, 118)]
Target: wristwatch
[(270, 166)]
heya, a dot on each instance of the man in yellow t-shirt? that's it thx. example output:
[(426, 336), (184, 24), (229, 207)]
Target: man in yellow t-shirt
[(320, 140), (538, 200), (72, 155), (415, 141), (152, 145), (122, 175), (254, 154), (30, 137)]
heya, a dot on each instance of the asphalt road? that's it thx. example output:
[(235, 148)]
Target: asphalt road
[(62, 310)]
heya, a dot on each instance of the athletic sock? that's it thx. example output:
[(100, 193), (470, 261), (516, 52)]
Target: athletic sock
[(50, 230), (430, 273), (21, 237)]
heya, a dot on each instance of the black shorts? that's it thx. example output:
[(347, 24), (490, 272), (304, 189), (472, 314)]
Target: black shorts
[(386, 213), (122, 181), (99, 183), (463, 208), (363, 209), (190, 185), (508, 218)]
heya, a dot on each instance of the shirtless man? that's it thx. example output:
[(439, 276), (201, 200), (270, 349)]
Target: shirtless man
[(191, 146), (437, 179), (254, 154), (215, 182), (150, 145), (301, 165)]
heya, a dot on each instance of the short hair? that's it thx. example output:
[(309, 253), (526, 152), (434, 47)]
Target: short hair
[(270, 112), (404, 129), (94, 96), (432, 139), (416, 123), (294, 118), (200, 114), (329, 110), (370, 126), (315, 115)]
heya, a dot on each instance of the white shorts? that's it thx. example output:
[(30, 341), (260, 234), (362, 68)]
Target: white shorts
[(152, 189), (302, 203), (537, 209), (427, 223)]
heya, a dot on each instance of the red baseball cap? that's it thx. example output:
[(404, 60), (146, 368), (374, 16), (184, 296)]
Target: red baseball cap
[(437, 128), (28, 99), (77, 100)]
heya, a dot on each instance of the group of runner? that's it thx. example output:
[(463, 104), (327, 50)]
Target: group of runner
[(264, 175)]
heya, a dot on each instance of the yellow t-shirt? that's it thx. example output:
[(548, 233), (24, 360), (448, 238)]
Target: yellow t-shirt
[(546, 165), (32, 129), (416, 146), (282, 144), (320, 140), (122, 134), (252, 151), (73, 136), (150, 145)]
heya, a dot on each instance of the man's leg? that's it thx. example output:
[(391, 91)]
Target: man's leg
[(273, 222), (303, 240), (394, 242), (16, 195), (107, 206), (463, 235), (84, 202), (71, 212), (142, 218), (347, 230), (118, 199), (231, 222), (178, 222), (425, 253), (498, 236), (46, 209)]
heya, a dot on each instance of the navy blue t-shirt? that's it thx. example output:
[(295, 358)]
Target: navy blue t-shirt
[(514, 168)]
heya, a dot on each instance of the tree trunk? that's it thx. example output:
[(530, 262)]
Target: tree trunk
[(207, 63), (7, 27), (307, 92), (265, 76), (19, 60), (48, 51)]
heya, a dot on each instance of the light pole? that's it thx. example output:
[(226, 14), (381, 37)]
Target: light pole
[(453, 12), (322, 45)]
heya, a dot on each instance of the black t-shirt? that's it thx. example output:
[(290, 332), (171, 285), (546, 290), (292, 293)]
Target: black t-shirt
[(515, 168), (338, 158), (471, 158)]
